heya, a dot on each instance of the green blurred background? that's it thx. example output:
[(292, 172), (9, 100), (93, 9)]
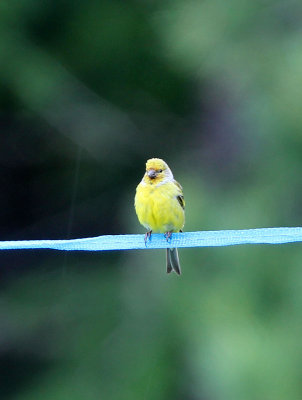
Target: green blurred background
[(89, 91)]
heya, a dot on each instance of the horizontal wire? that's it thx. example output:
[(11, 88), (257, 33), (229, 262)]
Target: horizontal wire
[(158, 241)]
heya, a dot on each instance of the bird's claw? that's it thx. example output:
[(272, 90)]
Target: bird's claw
[(147, 237), (168, 235)]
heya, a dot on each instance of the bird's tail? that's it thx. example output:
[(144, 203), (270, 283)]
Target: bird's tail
[(173, 261)]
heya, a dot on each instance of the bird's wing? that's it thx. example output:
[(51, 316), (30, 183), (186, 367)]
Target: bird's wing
[(178, 185), (181, 201), (180, 196)]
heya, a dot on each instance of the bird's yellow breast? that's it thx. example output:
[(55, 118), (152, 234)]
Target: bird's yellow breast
[(157, 207)]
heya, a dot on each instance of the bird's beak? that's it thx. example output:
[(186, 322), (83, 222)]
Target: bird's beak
[(151, 173)]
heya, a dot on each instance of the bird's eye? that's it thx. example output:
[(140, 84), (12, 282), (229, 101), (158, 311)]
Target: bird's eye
[(160, 170)]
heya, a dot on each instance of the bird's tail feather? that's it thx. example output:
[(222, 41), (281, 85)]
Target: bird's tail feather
[(173, 261)]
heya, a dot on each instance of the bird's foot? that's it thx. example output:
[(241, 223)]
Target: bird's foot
[(147, 237), (168, 235)]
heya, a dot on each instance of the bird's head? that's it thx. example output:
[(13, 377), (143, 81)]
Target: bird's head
[(157, 171)]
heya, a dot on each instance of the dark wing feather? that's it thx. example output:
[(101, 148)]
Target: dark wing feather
[(180, 197), (181, 201)]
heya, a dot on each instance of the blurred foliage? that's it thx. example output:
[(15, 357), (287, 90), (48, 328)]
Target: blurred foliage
[(89, 91)]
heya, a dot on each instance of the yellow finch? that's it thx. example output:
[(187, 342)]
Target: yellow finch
[(159, 205)]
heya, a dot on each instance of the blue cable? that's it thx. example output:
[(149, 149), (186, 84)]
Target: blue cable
[(158, 241)]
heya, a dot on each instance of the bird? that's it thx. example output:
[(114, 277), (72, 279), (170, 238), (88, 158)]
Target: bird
[(160, 206)]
